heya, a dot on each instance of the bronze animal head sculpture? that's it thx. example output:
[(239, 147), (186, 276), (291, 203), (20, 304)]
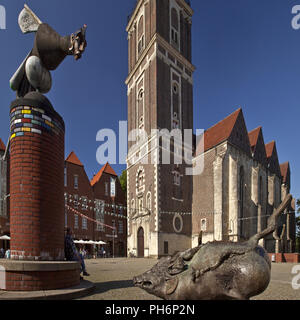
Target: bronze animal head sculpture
[(215, 270), (48, 52)]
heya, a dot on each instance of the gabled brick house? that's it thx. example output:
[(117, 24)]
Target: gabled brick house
[(100, 200), (110, 201), (79, 196)]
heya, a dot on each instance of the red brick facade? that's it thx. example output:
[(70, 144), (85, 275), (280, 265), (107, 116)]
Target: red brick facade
[(115, 201)]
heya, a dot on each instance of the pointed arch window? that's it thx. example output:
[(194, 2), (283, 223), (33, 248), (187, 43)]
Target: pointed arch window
[(260, 195), (141, 96), (141, 36), (241, 199), (175, 28)]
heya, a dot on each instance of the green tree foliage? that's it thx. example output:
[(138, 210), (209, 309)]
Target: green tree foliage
[(123, 181)]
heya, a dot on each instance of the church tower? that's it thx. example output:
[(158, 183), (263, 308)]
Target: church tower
[(160, 99)]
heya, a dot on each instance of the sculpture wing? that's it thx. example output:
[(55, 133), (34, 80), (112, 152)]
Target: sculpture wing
[(17, 78), (28, 21)]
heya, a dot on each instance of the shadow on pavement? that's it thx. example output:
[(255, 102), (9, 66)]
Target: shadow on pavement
[(102, 287)]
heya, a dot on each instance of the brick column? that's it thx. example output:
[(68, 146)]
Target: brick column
[(36, 180)]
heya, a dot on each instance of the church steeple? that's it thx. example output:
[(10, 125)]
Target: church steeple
[(160, 96)]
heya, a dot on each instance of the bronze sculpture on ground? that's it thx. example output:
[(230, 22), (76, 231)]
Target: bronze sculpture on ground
[(214, 271), (49, 50)]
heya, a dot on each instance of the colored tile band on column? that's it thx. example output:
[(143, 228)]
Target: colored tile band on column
[(35, 120)]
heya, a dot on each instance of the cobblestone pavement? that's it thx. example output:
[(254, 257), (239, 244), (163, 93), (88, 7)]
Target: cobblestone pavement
[(113, 280)]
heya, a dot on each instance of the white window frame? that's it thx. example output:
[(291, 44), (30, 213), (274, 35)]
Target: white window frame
[(113, 182), (76, 181), (84, 204), (142, 37), (65, 176), (76, 201), (100, 211), (140, 125), (84, 223), (172, 29), (121, 227), (176, 122), (76, 221), (106, 188)]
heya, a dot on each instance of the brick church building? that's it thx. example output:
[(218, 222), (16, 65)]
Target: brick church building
[(242, 180)]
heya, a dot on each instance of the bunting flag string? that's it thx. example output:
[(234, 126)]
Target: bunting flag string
[(88, 218), (101, 205)]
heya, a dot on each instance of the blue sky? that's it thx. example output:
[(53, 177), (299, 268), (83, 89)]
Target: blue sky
[(245, 51)]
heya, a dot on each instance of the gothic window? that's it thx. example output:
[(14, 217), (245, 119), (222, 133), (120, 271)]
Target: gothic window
[(141, 109), (260, 190), (141, 36), (175, 101), (241, 199), (175, 28)]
